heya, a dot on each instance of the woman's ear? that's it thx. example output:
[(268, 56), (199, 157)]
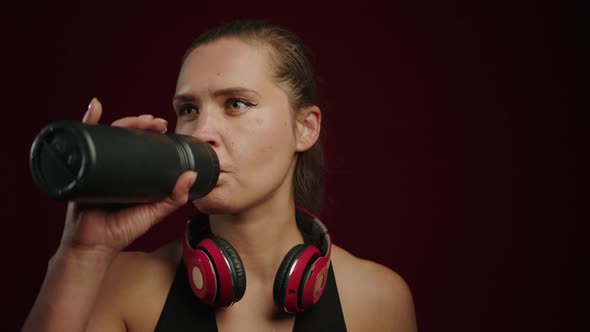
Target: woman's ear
[(309, 122)]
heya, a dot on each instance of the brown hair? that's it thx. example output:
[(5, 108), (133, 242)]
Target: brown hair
[(293, 70)]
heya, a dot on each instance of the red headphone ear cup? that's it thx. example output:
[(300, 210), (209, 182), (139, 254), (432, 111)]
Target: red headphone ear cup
[(282, 276), (201, 272), (237, 272)]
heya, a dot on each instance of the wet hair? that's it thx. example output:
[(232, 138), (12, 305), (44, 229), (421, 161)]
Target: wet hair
[(293, 71)]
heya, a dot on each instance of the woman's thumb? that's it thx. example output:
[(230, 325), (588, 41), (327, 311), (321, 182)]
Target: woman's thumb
[(192, 178), (183, 185), (177, 198)]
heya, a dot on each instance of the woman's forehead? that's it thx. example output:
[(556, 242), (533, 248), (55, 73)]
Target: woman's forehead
[(227, 62)]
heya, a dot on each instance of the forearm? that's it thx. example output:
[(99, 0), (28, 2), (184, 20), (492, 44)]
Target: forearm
[(69, 291)]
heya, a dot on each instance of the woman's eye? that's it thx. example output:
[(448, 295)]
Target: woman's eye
[(188, 111), (238, 105)]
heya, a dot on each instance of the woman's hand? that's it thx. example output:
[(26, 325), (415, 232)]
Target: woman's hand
[(92, 228)]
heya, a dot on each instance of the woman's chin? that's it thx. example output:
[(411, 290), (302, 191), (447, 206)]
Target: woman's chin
[(214, 204)]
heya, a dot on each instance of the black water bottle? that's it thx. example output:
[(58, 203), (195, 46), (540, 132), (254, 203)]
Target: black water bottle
[(74, 161)]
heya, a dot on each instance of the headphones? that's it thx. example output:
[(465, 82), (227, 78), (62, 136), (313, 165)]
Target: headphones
[(217, 276)]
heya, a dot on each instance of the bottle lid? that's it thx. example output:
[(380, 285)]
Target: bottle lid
[(59, 158)]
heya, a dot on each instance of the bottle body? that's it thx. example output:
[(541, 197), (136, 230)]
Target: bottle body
[(74, 161)]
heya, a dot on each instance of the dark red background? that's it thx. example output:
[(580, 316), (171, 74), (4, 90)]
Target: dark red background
[(449, 138)]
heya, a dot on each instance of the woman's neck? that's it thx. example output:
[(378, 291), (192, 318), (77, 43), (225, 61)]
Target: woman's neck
[(262, 236)]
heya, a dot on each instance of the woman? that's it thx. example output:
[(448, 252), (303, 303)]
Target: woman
[(247, 89)]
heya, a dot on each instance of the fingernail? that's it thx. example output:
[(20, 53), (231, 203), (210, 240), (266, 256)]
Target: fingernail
[(88, 110), (162, 121)]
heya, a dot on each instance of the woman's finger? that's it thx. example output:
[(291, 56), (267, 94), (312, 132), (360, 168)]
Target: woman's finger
[(145, 122), (93, 113)]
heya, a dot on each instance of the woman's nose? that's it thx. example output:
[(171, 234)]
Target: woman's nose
[(207, 129)]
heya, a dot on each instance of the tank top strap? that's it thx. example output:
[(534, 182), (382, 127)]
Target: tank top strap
[(327, 314), (183, 311)]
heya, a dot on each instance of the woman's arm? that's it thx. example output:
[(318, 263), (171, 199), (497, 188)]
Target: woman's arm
[(91, 240), (69, 291)]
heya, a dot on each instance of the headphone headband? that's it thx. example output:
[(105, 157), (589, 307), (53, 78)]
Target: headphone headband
[(311, 225), (198, 228)]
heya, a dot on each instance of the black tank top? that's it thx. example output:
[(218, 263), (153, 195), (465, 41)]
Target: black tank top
[(184, 312)]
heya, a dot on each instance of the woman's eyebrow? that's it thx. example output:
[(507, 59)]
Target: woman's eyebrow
[(234, 91), (184, 98)]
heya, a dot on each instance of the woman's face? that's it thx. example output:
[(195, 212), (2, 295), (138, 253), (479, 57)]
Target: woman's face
[(225, 96)]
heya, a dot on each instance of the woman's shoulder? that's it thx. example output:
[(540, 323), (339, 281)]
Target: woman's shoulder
[(138, 267), (137, 271), (136, 286), (372, 295)]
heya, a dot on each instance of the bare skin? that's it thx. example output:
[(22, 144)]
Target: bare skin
[(373, 297), (225, 96)]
